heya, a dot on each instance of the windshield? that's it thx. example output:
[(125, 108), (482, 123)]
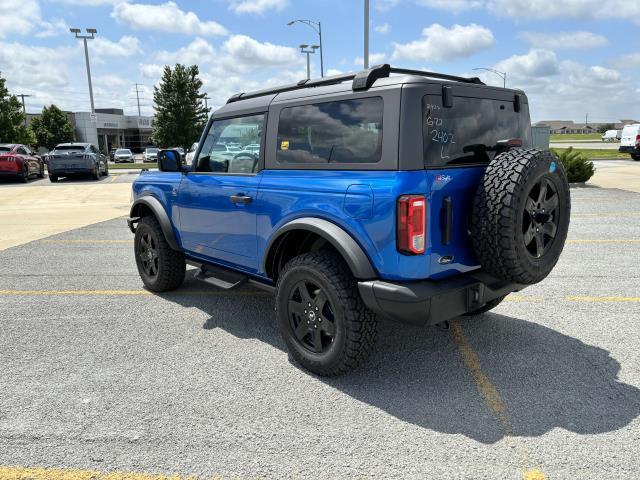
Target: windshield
[(123, 152)]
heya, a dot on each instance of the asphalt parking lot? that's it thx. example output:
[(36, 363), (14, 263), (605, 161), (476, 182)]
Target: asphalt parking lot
[(96, 374)]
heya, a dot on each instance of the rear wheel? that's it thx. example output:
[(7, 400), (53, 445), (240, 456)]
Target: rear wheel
[(636, 157), (322, 318), (96, 172), (521, 216), (53, 178), (24, 175), (160, 267)]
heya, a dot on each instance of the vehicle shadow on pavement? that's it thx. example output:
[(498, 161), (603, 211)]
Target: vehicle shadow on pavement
[(546, 379)]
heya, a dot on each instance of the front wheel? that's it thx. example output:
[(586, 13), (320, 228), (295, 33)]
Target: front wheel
[(636, 157), (160, 267), (24, 177), (322, 318)]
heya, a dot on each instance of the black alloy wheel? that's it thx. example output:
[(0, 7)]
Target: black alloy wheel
[(541, 217), (311, 317), (25, 174), (148, 255)]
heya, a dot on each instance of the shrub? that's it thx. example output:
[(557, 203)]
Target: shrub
[(579, 169)]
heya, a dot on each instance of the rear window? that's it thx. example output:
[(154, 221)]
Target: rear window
[(467, 133), (5, 149), (79, 148), (348, 131)]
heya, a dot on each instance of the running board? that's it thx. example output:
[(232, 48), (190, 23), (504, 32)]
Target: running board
[(220, 277)]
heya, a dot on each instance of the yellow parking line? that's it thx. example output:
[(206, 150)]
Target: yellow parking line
[(113, 178), (595, 299), (91, 293), (492, 399), (611, 240), (26, 473), (87, 241)]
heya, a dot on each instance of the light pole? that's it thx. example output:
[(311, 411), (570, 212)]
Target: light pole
[(318, 28), (92, 32), (366, 34), (502, 75), (308, 52), (24, 109)]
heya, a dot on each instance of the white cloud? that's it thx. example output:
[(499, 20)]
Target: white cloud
[(536, 63), (565, 40), (454, 6), (630, 60), (151, 71), (374, 59), (125, 47), (384, 5), (246, 52), (440, 43), (23, 17), (257, 6), (383, 29), (333, 71), (166, 17), (565, 9), (198, 52)]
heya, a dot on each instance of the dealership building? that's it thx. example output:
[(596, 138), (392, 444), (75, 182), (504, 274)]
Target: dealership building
[(109, 128)]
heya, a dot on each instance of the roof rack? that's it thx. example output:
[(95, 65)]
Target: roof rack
[(361, 81)]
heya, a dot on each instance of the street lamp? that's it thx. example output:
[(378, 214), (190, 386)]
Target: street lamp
[(92, 32), (318, 28), (502, 75), (308, 52)]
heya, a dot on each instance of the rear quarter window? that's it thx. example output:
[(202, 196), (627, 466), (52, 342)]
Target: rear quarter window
[(465, 133), (345, 132)]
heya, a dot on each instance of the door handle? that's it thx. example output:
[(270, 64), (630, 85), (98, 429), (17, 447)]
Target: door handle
[(240, 199)]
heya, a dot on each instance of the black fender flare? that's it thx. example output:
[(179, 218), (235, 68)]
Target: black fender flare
[(344, 243), (161, 215)]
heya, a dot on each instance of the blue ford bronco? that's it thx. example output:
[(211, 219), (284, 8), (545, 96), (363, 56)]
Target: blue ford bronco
[(387, 193)]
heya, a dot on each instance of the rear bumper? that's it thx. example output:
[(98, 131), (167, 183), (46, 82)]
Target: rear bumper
[(629, 149), (429, 302)]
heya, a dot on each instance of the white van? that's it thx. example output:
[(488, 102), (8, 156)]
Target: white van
[(610, 136), (630, 141)]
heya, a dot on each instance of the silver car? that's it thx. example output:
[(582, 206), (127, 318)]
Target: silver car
[(123, 155)]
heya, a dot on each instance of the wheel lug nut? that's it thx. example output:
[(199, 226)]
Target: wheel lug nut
[(315, 326), (316, 309), (309, 304), (305, 311)]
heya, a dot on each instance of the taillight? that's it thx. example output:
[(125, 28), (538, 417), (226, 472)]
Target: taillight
[(8, 159), (412, 224), (638, 141)]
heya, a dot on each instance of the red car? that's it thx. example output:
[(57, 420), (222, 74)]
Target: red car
[(18, 161)]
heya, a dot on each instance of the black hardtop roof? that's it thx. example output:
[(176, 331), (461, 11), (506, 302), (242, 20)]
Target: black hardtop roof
[(362, 80)]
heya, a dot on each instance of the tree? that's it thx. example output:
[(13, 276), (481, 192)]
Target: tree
[(12, 128), (607, 126), (180, 112), (52, 127)]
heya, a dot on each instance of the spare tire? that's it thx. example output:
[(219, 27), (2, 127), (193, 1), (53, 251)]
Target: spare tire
[(521, 215)]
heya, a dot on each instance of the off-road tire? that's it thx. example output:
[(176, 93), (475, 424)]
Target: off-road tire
[(499, 215), (171, 263), (53, 178), (490, 305), (355, 324)]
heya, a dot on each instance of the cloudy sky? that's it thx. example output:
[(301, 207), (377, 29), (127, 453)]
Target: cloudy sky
[(572, 57)]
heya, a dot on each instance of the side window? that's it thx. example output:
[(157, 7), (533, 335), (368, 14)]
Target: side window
[(232, 145), (93, 149), (22, 151), (348, 131)]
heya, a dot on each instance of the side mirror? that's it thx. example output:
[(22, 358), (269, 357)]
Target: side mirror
[(169, 161)]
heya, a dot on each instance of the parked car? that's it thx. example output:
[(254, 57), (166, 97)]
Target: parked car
[(611, 135), (70, 159), (18, 161), (123, 155), (630, 141), (150, 154), (358, 209), (191, 153), (254, 148)]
